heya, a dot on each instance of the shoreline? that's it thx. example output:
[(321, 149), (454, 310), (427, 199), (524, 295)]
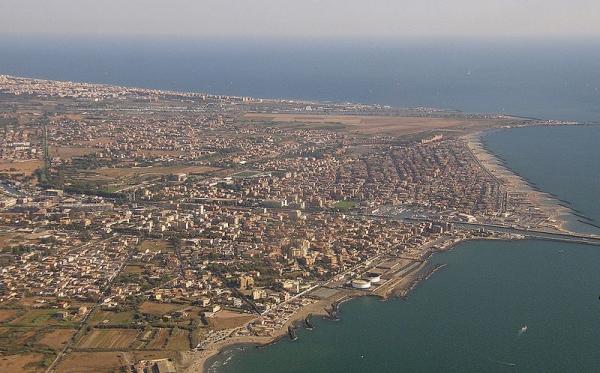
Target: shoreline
[(554, 208), (200, 361), (559, 212)]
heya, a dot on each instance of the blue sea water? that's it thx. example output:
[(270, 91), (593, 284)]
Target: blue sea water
[(465, 318), (555, 79), (563, 160)]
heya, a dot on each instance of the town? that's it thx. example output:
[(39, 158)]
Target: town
[(141, 227)]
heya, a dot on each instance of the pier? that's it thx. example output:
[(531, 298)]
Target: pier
[(571, 237)]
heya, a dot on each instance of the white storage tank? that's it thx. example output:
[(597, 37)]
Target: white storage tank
[(361, 284), (373, 278)]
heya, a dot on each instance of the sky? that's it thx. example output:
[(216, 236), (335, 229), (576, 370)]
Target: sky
[(302, 18)]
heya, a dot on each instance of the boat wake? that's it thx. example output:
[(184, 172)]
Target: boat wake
[(505, 363)]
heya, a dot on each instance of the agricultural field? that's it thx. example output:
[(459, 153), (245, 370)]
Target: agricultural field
[(40, 317), (13, 338), (101, 362), (7, 314), (56, 338), (159, 309), (21, 363), (178, 340), (109, 338), (111, 317), (8, 239), (21, 167), (161, 337), (83, 362)]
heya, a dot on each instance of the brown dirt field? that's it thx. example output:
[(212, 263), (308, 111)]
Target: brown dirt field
[(99, 141), (109, 338), (158, 309), (140, 171), (366, 124), (70, 152), (83, 362), (20, 363), (160, 339), (134, 269), (179, 340), (70, 116), (100, 362), (31, 301), (7, 314), (15, 337), (229, 319), (153, 245), (15, 238), (158, 153), (57, 338), (26, 167)]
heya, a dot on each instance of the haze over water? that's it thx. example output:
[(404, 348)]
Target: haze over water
[(556, 79)]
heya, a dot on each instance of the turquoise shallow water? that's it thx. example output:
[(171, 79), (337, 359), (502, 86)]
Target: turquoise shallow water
[(467, 317)]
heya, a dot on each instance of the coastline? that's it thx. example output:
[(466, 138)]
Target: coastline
[(557, 210), (197, 361), (200, 361)]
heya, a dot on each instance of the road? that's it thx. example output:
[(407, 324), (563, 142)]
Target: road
[(83, 322)]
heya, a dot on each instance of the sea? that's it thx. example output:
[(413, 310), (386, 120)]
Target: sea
[(498, 306), (542, 78)]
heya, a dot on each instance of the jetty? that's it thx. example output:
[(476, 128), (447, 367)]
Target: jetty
[(307, 322), (292, 332)]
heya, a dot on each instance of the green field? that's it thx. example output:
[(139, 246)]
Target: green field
[(114, 318), (39, 317), (344, 205)]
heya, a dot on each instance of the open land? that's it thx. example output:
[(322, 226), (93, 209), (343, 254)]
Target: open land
[(376, 124)]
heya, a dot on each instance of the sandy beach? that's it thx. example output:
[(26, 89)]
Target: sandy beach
[(196, 361), (547, 204)]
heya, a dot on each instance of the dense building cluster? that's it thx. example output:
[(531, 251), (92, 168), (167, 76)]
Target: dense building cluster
[(163, 211)]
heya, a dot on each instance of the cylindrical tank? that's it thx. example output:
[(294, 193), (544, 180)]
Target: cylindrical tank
[(361, 284), (373, 278)]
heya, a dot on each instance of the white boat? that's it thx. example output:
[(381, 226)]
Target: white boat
[(523, 329)]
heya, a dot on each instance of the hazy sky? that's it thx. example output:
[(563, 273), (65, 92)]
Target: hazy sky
[(302, 18)]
